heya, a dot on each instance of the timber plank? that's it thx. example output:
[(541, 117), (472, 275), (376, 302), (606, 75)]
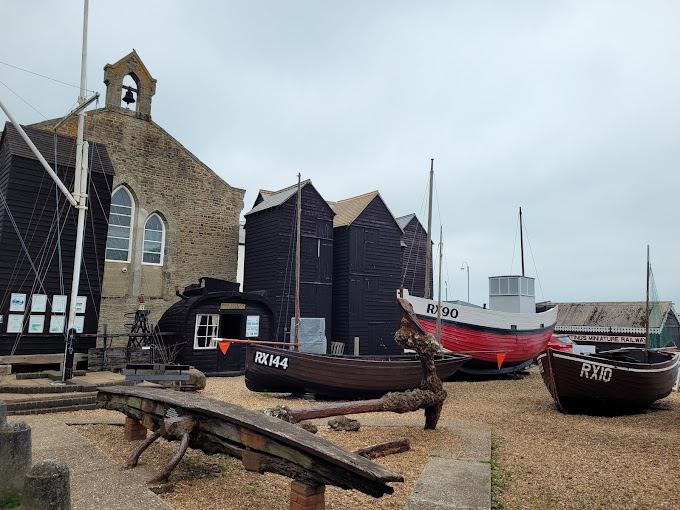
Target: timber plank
[(281, 445)]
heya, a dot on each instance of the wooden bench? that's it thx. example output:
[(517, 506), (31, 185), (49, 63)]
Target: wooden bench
[(149, 372)]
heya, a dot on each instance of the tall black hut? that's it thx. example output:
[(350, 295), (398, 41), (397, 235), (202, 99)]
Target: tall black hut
[(366, 274), (31, 211), (270, 254), (414, 255), (215, 309)]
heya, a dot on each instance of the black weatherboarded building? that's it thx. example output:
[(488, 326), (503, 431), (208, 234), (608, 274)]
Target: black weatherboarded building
[(414, 255), (269, 265), (366, 274), (31, 209), (215, 309)]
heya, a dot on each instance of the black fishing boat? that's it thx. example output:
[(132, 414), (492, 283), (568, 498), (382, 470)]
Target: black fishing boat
[(618, 380), (275, 369), (621, 379)]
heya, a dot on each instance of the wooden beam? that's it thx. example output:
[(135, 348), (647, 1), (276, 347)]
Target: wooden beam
[(39, 359)]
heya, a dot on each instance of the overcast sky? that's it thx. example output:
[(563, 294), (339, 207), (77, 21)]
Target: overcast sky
[(570, 110)]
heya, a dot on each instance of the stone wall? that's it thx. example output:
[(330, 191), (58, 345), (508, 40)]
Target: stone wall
[(200, 212)]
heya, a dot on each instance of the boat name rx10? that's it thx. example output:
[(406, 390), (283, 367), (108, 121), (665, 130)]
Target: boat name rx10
[(597, 372), (269, 360), (446, 311)]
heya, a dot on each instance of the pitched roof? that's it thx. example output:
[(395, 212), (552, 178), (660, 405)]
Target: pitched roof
[(275, 198), (346, 211), (405, 220), (617, 317), (44, 142)]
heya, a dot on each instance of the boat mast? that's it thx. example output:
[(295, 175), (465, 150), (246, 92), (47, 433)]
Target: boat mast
[(521, 239), (439, 293), (297, 266), (428, 252), (647, 310)]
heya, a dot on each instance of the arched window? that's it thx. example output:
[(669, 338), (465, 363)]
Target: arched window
[(120, 226), (154, 241)]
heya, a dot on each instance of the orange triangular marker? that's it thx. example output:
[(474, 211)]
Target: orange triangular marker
[(500, 357), (225, 345)]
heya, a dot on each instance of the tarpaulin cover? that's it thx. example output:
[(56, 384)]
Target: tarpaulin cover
[(312, 334)]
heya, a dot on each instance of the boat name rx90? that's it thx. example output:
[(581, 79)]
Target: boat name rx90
[(446, 311)]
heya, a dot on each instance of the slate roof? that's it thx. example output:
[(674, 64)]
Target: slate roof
[(405, 220), (614, 317), (44, 142), (276, 198)]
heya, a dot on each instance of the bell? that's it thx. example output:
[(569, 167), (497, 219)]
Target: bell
[(129, 98)]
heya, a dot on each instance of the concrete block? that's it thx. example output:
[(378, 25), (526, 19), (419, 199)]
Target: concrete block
[(15, 455), (47, 487)]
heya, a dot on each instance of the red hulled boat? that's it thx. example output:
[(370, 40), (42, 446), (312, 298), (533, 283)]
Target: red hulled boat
[(497, 341)]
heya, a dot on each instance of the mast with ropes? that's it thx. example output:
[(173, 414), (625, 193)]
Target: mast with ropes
[(77, 198)]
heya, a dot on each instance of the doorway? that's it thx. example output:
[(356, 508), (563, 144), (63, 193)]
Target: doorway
[(231, 326)]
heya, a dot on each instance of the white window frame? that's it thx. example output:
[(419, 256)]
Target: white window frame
[(215, 325), (132, 224), (162, 241)]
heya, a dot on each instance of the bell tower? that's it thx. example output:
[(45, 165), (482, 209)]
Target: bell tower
[(137, 97)]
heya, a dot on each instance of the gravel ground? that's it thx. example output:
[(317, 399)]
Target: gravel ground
[(542, 459)]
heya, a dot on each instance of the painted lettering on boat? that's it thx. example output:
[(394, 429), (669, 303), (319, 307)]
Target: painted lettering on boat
[(596, 372), (446, 311), (269, 360)]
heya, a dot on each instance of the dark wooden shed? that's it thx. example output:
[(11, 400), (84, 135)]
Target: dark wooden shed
[(215, 308), (414, 255), (269, 265), (30, 209), (366, 274)]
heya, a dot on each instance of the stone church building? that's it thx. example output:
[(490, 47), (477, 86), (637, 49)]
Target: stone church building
[(172, 219)]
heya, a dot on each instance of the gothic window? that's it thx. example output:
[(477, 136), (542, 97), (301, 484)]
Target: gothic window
[(120, 226), (206, 331), (154, 241)]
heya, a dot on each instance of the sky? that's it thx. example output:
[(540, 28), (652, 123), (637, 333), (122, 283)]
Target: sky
[(567, 109)]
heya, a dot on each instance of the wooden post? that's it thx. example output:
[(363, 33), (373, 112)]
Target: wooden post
[(307, 497), (356, 345)]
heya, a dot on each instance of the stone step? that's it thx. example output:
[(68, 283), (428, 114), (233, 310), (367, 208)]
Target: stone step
[(66, 388), (66, 403)]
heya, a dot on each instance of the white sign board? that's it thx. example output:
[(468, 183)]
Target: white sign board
[(81, 303), (252, 326), (18, 302), (79, 323), (36, 323), (15, 323), (59, 304), (57, 323), (39, 303)]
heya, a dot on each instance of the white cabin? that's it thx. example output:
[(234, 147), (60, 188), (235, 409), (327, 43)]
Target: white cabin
[(512, 294)]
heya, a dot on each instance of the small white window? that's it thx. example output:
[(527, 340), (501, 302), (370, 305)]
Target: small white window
[(206, 331), (154, 241), (120, 226)]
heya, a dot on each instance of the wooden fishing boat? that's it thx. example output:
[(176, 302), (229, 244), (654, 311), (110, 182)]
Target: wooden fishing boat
[(276, 369), (498, 342), (619, 379), (504, 338)]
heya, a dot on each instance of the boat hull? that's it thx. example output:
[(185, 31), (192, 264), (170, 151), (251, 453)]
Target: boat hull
[(613, 380), (338, 376), (497, 342)]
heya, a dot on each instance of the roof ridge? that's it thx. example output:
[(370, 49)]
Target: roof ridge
[(374, 193)]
